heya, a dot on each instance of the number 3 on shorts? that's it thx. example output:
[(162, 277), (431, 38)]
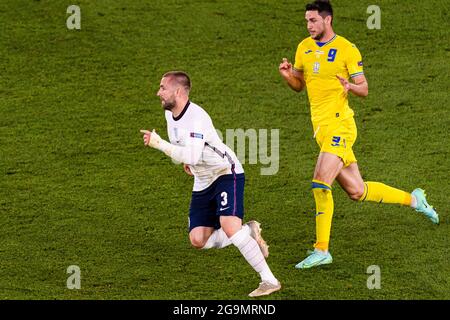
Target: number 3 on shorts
[(224, 199)]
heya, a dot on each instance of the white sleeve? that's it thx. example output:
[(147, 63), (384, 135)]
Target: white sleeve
[(188, 155), (191, 153)]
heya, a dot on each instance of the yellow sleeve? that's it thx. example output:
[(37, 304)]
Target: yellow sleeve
[(298, 64), (354, 61)]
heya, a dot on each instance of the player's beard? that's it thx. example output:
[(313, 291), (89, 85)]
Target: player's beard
[(319, 36), (168, 104)]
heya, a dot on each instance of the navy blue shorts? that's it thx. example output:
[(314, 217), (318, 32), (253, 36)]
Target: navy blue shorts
[(224, 197)]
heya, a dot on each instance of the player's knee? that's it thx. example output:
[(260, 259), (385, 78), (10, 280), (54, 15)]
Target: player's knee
[(356, 193), (197, 241)]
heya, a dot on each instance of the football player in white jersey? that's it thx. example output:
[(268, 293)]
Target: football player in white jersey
[(217, 204)]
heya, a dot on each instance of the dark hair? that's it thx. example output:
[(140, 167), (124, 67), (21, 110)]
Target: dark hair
[(181, 77), (322, 6)]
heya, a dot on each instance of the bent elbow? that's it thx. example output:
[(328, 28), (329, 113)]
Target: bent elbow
[(298, 87), (366, 91)]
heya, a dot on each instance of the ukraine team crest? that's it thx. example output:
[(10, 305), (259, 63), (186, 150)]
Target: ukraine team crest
[(316, 67)]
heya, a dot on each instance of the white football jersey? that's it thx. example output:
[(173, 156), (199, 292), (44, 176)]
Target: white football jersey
[(210, 157)]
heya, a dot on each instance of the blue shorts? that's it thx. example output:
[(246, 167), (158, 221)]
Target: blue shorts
[(224, 197)]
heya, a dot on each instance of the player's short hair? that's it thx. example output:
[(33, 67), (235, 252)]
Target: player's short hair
[(322, 6), (180, 77)]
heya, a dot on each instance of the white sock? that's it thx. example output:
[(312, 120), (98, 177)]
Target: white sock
[(218, 239), (413, 202), (252, 253)]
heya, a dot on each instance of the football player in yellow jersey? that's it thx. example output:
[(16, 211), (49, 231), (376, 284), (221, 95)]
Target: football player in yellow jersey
[(330, 67)]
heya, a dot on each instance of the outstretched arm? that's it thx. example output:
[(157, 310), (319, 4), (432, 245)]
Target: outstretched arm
[(188, 155), (294, 78), (359, 87)]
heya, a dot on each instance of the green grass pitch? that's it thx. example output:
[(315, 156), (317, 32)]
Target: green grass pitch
[(77, 186)]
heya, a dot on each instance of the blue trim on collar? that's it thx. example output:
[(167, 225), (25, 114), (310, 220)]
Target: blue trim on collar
[(321, 44)]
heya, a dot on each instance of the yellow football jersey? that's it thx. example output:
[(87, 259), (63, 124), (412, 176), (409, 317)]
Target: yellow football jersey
[(320, 63)]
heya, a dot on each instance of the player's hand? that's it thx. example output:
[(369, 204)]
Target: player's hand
[(187, 169), (285, 68), (344, 82), (147, 136), (151, 139)]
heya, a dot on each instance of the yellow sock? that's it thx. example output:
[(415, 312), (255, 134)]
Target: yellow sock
[(381, 193), (324, 213)]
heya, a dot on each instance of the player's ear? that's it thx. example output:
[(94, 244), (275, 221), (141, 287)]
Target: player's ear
[(180, 90)]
